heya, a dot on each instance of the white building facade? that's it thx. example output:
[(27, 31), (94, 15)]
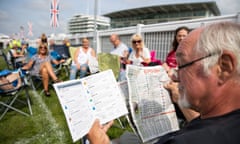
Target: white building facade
[(86, 23)]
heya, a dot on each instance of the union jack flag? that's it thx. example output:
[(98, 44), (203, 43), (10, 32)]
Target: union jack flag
[(54, 13)]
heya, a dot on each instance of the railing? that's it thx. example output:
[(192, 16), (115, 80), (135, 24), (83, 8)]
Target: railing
[(157, 37)]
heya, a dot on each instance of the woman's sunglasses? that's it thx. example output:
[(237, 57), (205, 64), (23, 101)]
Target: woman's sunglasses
[(42, 47), (136, 41)]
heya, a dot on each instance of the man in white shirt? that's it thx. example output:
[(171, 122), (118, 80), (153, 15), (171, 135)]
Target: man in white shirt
[(122, 51), (120, 48)]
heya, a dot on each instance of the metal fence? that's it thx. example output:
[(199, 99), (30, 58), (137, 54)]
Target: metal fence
[(157, 37)]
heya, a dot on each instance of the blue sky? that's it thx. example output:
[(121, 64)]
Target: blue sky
[(17, 13)]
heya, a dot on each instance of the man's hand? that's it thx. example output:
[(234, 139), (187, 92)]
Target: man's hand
[(97, 134), (174, 91)]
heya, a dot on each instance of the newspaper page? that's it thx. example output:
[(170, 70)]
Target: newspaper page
[(152, 111), (123, 85), (84, 100)]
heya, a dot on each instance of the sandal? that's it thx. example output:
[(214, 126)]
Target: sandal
[(47, 93), (57, 81)]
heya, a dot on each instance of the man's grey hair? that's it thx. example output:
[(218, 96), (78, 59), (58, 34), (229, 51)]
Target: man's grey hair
[(217, 37)]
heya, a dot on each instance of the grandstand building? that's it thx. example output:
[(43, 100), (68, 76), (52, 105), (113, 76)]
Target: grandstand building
[(163, 13), (85, 24)]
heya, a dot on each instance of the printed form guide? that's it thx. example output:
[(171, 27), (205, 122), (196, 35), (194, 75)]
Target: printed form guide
[(151, 109), (84, 100)]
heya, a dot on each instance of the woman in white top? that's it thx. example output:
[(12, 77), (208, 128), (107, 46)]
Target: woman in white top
[(140, 53), (81, 60)]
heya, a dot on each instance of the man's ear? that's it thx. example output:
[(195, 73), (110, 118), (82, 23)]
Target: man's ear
[(226, 66)]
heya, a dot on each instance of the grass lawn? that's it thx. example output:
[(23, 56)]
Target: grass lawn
[(47, 125)]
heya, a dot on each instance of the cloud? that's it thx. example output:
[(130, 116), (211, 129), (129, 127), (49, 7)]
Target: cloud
[(41, 5), (228, 9), (19, 12), (3, 15)]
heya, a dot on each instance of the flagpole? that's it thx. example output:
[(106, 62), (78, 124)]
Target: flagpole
[(95, 24)]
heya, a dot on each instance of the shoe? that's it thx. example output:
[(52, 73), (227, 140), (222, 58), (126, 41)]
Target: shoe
[(47, 93), (57, 81)]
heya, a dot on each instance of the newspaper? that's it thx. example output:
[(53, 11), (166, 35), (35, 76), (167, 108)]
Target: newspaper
[(151, 109), (84, 100)]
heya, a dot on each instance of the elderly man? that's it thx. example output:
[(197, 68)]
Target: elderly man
[(120, 49), (209, 83)]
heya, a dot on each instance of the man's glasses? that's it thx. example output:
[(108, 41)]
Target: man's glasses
[(136, 41), (175, 71)]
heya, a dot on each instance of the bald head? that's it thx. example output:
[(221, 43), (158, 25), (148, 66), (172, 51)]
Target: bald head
[(114, 39)]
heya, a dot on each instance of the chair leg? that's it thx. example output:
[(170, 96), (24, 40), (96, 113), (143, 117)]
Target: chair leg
[(120, 123), (32, 84), (28, 101), (35, 85), (66, 69), (10, 107)]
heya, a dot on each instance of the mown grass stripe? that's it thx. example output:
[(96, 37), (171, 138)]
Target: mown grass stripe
[(53, 127)]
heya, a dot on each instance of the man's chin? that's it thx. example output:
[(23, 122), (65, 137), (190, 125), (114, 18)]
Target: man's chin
[(183, 102)]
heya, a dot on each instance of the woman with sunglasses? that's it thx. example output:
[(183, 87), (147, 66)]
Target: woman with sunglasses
[(140, 53), (40, 65)]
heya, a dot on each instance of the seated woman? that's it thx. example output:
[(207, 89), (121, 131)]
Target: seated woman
[(17, 54), (179, 34), (140, 53), (81, 59), (17, 50), (40, 65)]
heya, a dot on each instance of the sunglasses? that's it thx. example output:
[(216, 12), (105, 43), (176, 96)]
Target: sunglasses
[(136, 41), (43, 47)]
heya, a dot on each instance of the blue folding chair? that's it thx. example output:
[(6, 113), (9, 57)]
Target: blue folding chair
[(12, 86)]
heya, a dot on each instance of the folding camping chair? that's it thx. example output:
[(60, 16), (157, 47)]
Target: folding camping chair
[(63, 52), (108, 61), (16, 62), (154, 60), (12, 86), (72, 50)]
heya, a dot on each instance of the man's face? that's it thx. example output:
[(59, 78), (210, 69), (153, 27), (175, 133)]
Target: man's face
[(113, 40), (193, 85)]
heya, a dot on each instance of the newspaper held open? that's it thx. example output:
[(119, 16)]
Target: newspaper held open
[(152, 111)]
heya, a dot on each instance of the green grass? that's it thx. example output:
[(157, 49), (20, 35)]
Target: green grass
[(47, 125)]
